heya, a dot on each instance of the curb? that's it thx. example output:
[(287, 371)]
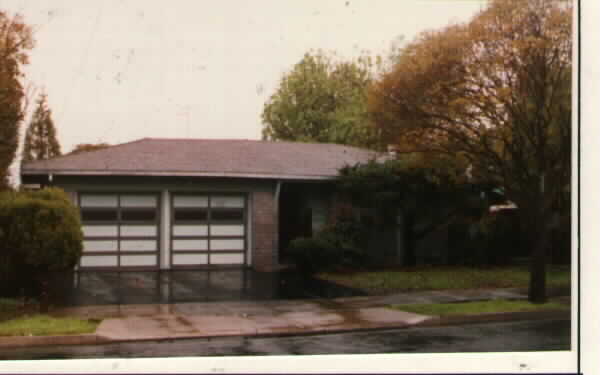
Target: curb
[(494, 317), (282, 333), (26, 341), (95, 339)]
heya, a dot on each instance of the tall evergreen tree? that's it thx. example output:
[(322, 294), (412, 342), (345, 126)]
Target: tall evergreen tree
[(40, 139)]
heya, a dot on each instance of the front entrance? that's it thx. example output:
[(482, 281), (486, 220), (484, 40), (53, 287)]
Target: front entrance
[(303, 212)]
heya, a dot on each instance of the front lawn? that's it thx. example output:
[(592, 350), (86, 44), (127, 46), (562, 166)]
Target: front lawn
[(22, 318), (8, 305), (11, 308), (440, 278), (39, 325), (480, 307)]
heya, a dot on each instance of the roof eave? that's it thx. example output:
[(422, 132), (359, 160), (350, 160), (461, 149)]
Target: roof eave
[(39, 172)]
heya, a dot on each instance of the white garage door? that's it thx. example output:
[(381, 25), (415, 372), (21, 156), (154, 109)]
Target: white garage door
[(208, 229), (120, 230)]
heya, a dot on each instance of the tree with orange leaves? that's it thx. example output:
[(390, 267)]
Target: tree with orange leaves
[(494, 94)]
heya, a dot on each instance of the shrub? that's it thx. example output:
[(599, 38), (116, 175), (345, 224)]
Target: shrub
[(560, 241), (341, 243), (494, 239), (40, 233), (502, 237), (312, 254)]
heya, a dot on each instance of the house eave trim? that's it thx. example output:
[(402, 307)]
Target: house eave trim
[(176, 174)]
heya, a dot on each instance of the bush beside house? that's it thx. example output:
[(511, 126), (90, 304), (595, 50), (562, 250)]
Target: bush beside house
[(492, 239), (40, 240), (391, 214), (340, 244)]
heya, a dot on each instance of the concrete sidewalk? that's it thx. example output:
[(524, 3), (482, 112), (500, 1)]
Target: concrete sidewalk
[(123, 323)]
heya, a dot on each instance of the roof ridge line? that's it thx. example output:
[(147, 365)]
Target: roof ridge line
[(255, 140)]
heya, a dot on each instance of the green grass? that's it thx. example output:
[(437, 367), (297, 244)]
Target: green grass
[(8, 304), (440, 278), (40, 325), (11, 308), (467, 308)]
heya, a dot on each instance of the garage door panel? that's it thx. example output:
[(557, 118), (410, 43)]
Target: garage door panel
[(108, 246), (211, 223), (190, 259), (227, 230), (138, 230), (100, 230), (139, 245), (190, 245), (216, 245), (99, 261), (138, 260), (139, 215), (226, 201), (100, 200), (190, 201), (226, 258), (138, 201), (116, 223), (99, 215), (190, 230), (230, 215)]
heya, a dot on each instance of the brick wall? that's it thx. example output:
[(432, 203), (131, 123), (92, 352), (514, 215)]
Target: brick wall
[(264, 231)]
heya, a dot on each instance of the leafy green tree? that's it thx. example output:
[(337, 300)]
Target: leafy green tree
[(15, 40), (40, 138), (322, 100), (497, 92), (86, 147)]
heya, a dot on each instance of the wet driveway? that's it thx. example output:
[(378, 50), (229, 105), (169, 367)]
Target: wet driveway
[(177, 286)]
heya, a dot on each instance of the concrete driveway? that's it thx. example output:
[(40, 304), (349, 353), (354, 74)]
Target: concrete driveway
[(105, 287)]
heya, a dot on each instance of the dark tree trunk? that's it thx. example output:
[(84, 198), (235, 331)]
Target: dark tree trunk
[(537, 279), (536, 225), (410, 258)]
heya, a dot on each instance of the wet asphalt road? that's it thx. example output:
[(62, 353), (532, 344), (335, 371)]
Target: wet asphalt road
[(488, 337)]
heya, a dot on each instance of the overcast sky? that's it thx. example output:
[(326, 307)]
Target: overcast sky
[(120, 70)]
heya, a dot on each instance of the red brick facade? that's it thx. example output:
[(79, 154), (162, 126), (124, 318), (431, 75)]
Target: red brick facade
[(265, 231)]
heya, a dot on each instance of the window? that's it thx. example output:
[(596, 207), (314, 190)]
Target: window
[(98, 214), (227, 215), (138, 214), (190, 214)]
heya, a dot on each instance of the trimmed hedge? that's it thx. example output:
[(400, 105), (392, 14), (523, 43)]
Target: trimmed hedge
[(40, 235)]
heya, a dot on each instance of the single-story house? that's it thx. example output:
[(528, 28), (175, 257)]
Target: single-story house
[(181, 203)]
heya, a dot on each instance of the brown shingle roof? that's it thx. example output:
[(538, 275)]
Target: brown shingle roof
[(208, 157)]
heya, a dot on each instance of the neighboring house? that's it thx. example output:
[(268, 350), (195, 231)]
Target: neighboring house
[(180, 203)]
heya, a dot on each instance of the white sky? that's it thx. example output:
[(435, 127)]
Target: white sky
[(120, 70)]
